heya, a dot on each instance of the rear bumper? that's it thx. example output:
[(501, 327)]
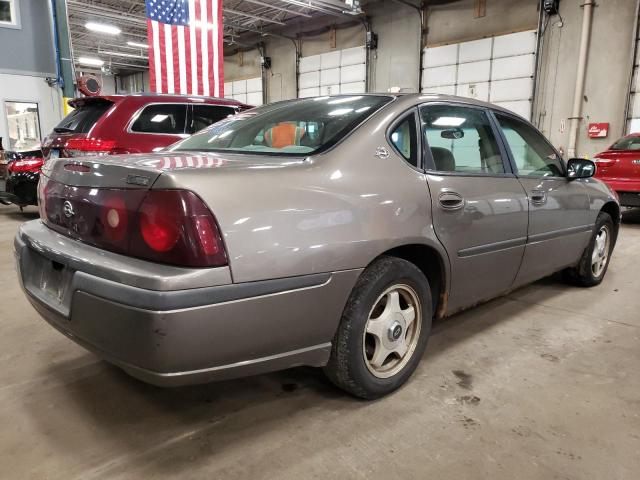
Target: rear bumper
[(21, 188), (185, 335), (629, 199)]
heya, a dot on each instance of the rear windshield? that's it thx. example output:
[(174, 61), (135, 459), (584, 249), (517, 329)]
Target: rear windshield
[(298, 127), (83, 117), (627, 143)]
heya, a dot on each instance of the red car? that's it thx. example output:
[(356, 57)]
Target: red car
[(137, 123), (619, 167)]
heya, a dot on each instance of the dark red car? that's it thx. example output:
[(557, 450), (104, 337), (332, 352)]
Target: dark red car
[(137, 123), (619, 167)]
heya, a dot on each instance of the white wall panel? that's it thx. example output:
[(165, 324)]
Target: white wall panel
[(254, 85), (475, 50), (521, 107), (310, 63), (309, 80), (513, 89), (514, 44), (435, 77), (353, 56), (442, 90), (330, 77), (474, 72), (440, 56), (309, 92), (354, 87), (513, 67), (353, 73), (239, 86), (254, 98), (477, 91), (330, 60)]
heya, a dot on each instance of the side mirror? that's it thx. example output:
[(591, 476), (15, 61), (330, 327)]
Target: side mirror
[(580, 168)]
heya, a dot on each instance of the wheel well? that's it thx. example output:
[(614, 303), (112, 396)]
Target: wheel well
[(429, 261), (613, 210)]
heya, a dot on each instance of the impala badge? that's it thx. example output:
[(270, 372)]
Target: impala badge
[(382, 153), (67, 208)]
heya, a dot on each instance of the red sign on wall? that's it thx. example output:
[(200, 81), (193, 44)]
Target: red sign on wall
[(598, 130)]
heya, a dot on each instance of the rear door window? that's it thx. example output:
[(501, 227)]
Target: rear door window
[(167, 119), (404, 137), (204, 115), (83, 117)]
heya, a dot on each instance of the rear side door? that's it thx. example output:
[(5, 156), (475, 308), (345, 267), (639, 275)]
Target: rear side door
[(559, 227), (479, 206), (155, 126)]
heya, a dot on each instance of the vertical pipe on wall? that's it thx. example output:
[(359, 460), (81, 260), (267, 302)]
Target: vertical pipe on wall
[(583, 54)]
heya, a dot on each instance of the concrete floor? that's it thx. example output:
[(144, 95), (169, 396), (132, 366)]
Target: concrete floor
[(543, 383)]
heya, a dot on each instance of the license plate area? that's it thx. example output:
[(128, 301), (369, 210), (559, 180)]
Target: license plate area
[(48, 280)]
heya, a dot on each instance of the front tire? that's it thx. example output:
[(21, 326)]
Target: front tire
[(383, 331), (594, 262)]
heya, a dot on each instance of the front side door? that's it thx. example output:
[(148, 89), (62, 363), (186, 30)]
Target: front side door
[(479, 206), (558, 208)]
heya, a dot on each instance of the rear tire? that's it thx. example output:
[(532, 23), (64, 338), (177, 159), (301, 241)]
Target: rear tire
[(384, 329), (594, 262)]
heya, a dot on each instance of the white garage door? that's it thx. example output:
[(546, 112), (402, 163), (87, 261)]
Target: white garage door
[(246, 91), (341, 71), (633, 123), (497, 69)]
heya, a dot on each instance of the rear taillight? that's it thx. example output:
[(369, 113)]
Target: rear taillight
[(175, 226), (26, 165), (85, 147), (166, 226)]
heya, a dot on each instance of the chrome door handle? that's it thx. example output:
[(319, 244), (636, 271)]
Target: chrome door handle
[(538, 197), (450, 201)]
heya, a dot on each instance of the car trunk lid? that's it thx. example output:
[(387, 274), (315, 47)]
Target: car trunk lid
[(619, 165)]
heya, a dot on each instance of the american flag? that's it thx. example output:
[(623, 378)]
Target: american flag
[(185, 46)]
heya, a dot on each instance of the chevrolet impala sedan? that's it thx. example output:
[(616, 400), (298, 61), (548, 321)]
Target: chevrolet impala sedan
[(326, 232)]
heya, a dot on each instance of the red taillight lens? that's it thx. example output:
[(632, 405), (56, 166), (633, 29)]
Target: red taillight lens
[(26, 165), (78, 147), (175, 226)]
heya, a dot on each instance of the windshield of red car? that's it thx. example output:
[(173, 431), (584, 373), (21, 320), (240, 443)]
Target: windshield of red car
[(627, 143), (294, 128)]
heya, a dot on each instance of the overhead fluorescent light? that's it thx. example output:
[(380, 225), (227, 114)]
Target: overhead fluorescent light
[(94, 62), (136, 44), (103, 28)]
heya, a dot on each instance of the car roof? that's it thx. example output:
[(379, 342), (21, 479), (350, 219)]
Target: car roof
[(148, 97)]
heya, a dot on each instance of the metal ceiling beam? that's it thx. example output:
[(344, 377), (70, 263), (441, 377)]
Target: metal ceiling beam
[(251, 15), (276, 7)]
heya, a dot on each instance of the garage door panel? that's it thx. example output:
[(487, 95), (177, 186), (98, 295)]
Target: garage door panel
[(228, 88), (254, 85), (309, 64), (635, 105), (478, 91), (353, 56), (437, 76), (330, 60), (254, 98), (513, 67), (309, 80), (440, 56), (240, 97), (239, 86), (330, 77), (309, 92), (442, 90), (353, 87), (475, 51), (510, 90), (520, 43), (521, 107), (634, 125), (353, 73), (330, 89), (474, 72)]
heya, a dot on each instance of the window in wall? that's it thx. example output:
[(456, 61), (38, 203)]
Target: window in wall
[(9, 13), (461, 140), (24, 125), (531, 152), (168, 118)]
